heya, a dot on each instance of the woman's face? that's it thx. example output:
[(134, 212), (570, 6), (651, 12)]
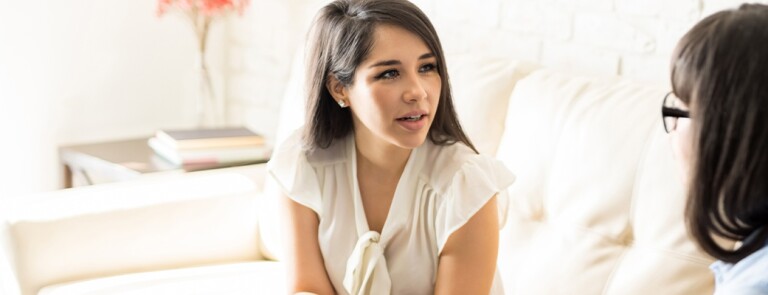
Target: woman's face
[(396, 90)]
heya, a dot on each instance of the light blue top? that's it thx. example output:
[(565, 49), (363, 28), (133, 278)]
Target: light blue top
[(747, 277)]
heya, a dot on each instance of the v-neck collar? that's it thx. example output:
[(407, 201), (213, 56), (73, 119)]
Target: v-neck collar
[(392, 220)]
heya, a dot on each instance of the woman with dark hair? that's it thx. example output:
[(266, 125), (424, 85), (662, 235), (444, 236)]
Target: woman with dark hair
[(717, 115), (384, 193)]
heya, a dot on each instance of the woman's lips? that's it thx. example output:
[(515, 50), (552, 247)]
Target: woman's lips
[(413, 122)]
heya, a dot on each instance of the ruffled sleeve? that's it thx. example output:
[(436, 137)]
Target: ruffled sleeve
[(470, 188), (294, 174)]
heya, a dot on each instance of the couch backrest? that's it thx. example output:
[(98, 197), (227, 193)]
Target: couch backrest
[(598, 204), (481, 86), (133, 226)]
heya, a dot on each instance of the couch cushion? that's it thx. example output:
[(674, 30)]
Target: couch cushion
[(597, 207), (236, 278), (481, 88), (132, 226)]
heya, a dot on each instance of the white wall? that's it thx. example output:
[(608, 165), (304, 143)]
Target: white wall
[(77, 71), (25, 142)]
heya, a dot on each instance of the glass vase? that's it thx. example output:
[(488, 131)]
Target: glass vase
[(209, 106)]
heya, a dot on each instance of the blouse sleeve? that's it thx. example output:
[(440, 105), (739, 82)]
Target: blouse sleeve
[(291, 170), (473, 185)]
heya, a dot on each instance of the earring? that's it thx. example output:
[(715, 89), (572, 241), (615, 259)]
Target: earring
[(342, 104)]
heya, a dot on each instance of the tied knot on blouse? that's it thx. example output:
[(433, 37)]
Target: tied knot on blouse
[(367, 268)]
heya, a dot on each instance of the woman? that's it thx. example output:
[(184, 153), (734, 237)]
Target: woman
[(718, 117), (385, 194)]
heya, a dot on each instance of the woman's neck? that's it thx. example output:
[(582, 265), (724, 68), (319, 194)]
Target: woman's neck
[(380, 157)]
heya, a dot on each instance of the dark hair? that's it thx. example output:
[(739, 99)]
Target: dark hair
[(341, 38), (720, 69)]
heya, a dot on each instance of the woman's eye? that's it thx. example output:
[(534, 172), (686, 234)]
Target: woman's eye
[(428, 68), (389, 74)]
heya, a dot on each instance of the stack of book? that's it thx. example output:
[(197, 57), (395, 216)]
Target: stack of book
[(215, 147)]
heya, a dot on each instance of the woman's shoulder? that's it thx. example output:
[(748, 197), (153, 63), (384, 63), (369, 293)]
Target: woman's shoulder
[(462, 182), (441, 161), (297, 170), (333, 154), (293, 148), (444, 163)]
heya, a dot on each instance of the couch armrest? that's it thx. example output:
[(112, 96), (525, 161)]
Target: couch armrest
[(111, 229)]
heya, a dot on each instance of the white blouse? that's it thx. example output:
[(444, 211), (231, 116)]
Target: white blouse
[(440, 189)]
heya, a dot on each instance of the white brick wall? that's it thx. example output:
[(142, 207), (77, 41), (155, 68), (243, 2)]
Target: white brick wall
[(633, 38)]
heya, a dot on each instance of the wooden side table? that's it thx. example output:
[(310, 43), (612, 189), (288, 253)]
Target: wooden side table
[(119, 160)]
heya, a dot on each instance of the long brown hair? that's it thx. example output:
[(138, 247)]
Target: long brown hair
[(341, 38), (720, 69)]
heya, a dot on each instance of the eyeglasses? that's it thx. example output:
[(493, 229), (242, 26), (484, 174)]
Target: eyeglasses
[(670, 112)]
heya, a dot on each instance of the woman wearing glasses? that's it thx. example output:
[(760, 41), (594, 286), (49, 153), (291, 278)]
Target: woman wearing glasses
[(717, 116)]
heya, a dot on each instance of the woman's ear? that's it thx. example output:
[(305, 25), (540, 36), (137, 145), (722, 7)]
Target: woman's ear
[(337, 90)]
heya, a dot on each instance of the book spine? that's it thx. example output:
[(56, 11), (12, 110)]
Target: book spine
[(164, 138), (165, 151), (209, 156), (210, 142), (224, 156)]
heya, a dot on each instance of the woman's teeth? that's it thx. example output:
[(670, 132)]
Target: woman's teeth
[(410, 118)]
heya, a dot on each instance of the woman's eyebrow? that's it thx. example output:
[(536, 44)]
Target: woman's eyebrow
[(390, 62), (393, 62), (427, 55)]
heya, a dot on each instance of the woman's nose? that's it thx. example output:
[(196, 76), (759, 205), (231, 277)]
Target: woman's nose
[(414, 90)]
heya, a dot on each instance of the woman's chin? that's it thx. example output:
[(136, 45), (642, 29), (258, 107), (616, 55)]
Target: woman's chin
[(411, 141)]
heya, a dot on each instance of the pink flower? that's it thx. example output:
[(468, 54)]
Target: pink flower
[(202, 12), (208, 8)]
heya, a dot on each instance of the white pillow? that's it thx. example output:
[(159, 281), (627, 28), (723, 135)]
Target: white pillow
[(596, 206), (294, 101), (481, 89)]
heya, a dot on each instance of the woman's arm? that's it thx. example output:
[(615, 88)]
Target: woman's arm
[(304, 261), (468, 261)]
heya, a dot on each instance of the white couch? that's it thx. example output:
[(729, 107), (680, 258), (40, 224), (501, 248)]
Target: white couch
[(597, 207)]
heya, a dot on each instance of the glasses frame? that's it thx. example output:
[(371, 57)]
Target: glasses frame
[(670, 115)]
